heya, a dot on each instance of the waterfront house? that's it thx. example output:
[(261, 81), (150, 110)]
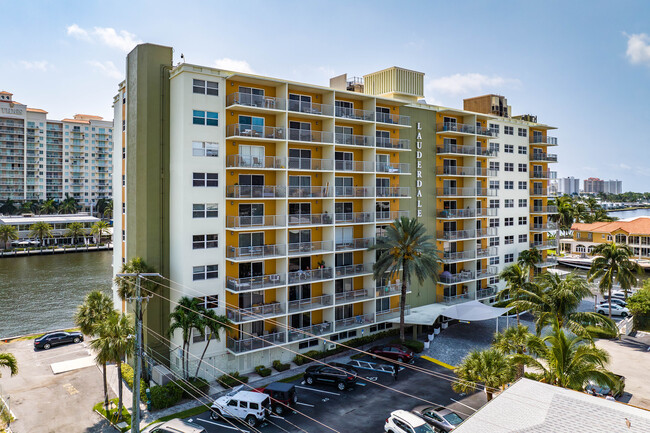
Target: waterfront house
[(634, 232), (59, 225)]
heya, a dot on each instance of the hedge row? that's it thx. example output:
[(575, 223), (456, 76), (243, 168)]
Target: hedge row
[(231, 380)]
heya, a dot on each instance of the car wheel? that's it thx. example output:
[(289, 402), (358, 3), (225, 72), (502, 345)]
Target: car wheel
[(76, 340), (624, 315), (341, 386), (309, 380), (279, 409), (601, 312), (47, 346), (215, 414), (251, 420)]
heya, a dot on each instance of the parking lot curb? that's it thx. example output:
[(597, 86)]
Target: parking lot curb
[(435, 361), (109, 421)]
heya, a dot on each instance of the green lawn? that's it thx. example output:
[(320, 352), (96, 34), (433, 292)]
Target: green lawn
[(112, 413)]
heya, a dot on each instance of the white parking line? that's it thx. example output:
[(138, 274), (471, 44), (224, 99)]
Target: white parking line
[(276, 416), (462, 404), (224, 426), (360, 384), (305, 404), (317, 390)]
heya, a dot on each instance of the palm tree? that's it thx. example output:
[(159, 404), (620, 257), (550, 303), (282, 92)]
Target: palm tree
[(406, 248), (26, 207), (9, 361), (48, 207), (215, 325), (567, 360), (99, 229), (69, 205), (8, 207), (613, 262), (516, 278), (75, 230), (40, 230), (488, 367), (113, 344), (96, 309), (528, 259), (100, 205), (107, 212), (553, 298), (564, 218), (7, 234), (186, 317), (126, 285), (514, 340)]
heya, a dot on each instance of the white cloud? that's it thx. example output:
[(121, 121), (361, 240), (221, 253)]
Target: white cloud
[(638, 48), (108, 68), (471, 83), (122, 40), (36, 65), (233, 65)]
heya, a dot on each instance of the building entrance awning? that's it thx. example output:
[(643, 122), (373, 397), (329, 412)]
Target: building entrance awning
[(423, 315), (473, 310)]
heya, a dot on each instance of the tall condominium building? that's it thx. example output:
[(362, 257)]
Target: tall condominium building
[(593, 185), (260, 197), (568, 185), (42, 159)]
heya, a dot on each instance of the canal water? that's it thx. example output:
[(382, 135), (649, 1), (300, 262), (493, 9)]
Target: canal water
[(41, 293), (625, 214)]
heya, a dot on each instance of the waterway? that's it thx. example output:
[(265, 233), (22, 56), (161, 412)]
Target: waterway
[(624, 214), (41, 293)]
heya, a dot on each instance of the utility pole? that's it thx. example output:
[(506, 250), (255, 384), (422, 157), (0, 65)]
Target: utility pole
[(135, 416)]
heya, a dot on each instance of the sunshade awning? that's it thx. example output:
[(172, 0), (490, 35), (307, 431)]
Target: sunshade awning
[(473, 310), (423, 315)]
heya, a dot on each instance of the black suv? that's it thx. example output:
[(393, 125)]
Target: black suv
[(49, 340), (342, 375)]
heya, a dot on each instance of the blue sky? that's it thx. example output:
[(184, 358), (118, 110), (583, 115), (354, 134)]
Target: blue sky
[(583, 66)]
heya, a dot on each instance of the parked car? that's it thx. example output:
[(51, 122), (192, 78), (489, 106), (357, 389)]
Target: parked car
[(616, 301), (440, 417), (283, 396), (395, 352), (617, 310), (401, 421), (174, 426), (595, 388), (343, 376), (56, 338), (252, 407)]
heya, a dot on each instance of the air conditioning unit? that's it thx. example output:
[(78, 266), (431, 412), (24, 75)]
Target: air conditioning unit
[(331, 346), (161, 375)]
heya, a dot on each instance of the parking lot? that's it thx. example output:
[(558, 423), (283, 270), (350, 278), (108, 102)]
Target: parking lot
[(361, 409)]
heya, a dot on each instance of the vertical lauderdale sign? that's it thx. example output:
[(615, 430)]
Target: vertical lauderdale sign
[(418, 158)]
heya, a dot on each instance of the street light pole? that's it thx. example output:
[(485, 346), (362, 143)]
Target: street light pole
[(135, 416)]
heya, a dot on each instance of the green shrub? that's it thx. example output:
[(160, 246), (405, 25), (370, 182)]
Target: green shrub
[(231, 379), (280, 366), (194, 387), (166, 396), (263, 371), (305, 357), (414, 345), (128, 376)]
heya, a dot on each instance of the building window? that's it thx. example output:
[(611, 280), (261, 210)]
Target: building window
[(523, 220), (209, 210), (205, 118), (205, 272), (494, 280), (509, 258), (523, 150), (523, 202), (494, 203), (494, 128), (494, 184), (508, 184), (508, 148), (508, 166), (509, 130), (494, 165), (494, 147), (494, 242), (494, 261), (523, 184), (508, 202), (494, 222), (205, 179), (523, 168), (522, 132), (523, 238), (205, 87), (204, 148), (509, 221), (201, 242), (507, 240)]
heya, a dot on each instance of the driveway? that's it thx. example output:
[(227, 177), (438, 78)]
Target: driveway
[(47, 403)]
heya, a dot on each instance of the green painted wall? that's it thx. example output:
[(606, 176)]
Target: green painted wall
[(422, 294), (147, 222)]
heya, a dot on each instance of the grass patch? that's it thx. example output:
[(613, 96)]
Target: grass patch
[(292, 378), (184, 414), (112, 413)]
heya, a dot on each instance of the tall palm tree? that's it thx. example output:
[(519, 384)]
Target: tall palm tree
[(7, 234), (186, 317), (107, 212), (567, 360), (564, 218), (513, 341), (26, 207), (516, 278), (215, 324), (8, 207), (613, 263), (553, 298), (99, 229), (488, 367), (113, 344), (408, 249), (75, 231), (528, 259), (49, 207), (9, 361), (96, 308), (100, 205), (69, 205), (126, 285), (40, 230)]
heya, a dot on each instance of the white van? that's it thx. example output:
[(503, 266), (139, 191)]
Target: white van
[(252, 407)]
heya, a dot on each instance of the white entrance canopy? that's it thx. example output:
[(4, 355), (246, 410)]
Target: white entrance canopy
[(423, 315), (473, 310)]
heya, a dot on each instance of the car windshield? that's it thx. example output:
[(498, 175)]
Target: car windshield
[(424, 428), (452, 418)]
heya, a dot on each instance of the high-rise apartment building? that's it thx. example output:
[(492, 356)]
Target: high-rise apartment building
[(593, 185), (260, 196), (42, 159), (568, 185)]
